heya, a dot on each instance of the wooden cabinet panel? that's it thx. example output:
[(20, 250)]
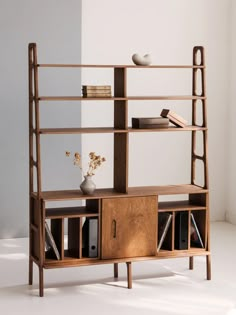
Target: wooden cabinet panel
[(129, 227)]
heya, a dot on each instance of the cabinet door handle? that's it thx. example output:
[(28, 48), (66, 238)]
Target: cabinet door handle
[(114, 228)]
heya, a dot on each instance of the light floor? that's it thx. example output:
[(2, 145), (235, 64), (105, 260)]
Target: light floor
[(159, 287)]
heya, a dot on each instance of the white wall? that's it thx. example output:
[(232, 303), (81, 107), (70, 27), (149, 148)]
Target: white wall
[(56, 27), (230, 163), (111, 32)]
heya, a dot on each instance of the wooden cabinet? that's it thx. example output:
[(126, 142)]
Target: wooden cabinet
[(119, 224), (129, 226)]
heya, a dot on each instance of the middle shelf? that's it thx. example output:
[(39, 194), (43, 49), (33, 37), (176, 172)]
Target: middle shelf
[(115, 130)]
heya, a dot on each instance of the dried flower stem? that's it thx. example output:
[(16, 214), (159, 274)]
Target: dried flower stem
[(94, 163)]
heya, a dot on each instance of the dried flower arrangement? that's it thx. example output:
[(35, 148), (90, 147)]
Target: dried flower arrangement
[(94, 162)]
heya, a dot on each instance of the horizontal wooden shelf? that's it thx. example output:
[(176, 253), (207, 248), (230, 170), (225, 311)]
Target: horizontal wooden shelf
[(58, 195), (80, 130), (127, 98), (69, 212), (178, 206), (183, 253), (114, 130), (47, 65), (167, 129), (76, 262), (167, 190)]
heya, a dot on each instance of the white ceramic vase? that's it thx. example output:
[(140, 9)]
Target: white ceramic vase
[(87, 186), (142, 60)]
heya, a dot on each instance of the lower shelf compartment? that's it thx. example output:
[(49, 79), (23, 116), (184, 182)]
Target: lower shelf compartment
[(163, 254)]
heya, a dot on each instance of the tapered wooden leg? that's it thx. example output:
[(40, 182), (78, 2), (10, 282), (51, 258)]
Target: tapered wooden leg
[(191, 263), (129, 274), (30, 271), (208, 267), (115, 270), (41, 284)]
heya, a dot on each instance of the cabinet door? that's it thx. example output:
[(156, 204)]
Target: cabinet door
[(129, 227)]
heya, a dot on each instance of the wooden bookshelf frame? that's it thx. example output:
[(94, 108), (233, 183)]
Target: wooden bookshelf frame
[(96, 205)]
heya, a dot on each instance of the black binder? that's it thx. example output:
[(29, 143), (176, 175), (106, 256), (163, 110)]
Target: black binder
[(181, 230), (90, 238)]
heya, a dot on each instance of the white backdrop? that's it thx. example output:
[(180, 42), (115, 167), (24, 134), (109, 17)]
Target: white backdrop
[(110, 32)]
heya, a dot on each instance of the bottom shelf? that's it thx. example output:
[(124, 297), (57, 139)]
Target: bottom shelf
[(72, 262)]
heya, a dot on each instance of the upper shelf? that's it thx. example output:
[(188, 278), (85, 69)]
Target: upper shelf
[(131, 98), (120, 66), (114, 130)]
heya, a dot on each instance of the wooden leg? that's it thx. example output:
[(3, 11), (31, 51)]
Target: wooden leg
[(129, 274), (41, 285), (115, 270), (208, 267), (30, 271), (191, 263)]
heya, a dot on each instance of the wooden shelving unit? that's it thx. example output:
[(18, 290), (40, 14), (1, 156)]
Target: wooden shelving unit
[(125, 218)]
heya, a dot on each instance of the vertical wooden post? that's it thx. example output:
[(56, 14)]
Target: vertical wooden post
[(115, 270), (191, 263), (34, 127), (120, 139), (208, 267), (204, 158), (41, 286), (31, 206), (129, 274)]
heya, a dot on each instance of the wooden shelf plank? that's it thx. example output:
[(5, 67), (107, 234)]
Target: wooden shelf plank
[(69, 212), (114, 130), (179, 205), (128, 98), (167, 129), (75, 262), (47, 65), (80, 130), (112, 193)]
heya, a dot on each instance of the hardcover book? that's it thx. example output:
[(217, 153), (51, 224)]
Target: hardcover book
[(149, 122), (176, 119), (96, 87), (96, 94)]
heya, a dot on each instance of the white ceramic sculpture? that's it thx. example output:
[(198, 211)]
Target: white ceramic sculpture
[(142, 60)]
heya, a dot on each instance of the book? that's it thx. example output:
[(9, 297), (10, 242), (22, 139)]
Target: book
[(196, 240), (95, 94), (50, 242), (164, 220), (96, 87), (149, 122), (96, 90), (176, 119)]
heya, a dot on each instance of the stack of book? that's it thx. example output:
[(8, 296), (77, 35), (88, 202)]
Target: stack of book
[(150, 122), (177, 120), (96, 90)]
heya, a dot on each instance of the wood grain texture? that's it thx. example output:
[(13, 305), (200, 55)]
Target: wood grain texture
[(127, 216), (129, 226), (121, 162)]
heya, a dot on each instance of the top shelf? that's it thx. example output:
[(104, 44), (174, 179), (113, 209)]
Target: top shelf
[(47, 65), (131, 98)]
